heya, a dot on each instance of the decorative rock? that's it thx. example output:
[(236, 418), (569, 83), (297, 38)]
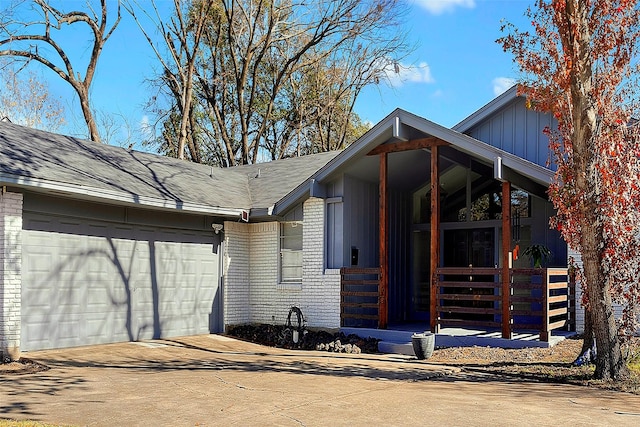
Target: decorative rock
[(281, 336)]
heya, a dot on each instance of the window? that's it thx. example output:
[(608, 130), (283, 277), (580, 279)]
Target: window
[(291, 252)]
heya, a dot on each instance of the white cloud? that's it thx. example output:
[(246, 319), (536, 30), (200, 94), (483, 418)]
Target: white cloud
[(398, 74), (146, 128), (438, 7), (502, 84)]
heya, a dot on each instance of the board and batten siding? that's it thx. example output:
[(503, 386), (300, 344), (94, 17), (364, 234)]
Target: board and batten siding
[(361, 222), (516, 130), (399, 254)]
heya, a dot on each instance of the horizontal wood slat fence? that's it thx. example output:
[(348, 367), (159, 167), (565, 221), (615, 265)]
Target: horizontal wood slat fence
[(360, 297), (541, 299)]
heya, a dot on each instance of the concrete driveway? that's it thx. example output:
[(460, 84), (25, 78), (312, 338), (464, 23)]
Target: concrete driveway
[(214, 380)]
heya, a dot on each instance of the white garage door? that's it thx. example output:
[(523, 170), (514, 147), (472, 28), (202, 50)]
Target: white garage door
[(88, 282)]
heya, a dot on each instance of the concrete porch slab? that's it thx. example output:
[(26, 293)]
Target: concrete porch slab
[(398, 339)]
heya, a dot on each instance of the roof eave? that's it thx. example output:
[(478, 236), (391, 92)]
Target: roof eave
[(113, 197), (389, 127)]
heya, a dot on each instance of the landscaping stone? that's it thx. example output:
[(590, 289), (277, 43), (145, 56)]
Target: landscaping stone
[(282, 337)]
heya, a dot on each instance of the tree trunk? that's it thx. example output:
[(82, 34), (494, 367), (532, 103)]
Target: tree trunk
[(576, 39), (609, 361), (83, 95), (586, 356)]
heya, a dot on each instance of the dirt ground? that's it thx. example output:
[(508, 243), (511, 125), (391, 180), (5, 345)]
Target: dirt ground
[(552, 365), (215, 380)]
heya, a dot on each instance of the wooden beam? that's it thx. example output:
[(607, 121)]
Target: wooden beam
[(506, 259), (435, 238), (544, 332), (413, 144), (383, 313)]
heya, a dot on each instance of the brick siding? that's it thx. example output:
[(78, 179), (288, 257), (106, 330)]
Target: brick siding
[(252, 289), (10, 274), (617, 308)]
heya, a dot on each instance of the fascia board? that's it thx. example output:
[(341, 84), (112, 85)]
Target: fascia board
[(115, 197), (480, 149), (531, 170), (382, 131)]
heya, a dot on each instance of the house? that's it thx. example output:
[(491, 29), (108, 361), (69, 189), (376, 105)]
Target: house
[(101, 244)]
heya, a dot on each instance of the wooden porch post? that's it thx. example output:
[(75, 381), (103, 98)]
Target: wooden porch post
[(383, 307), (435, 239), (506, 259)]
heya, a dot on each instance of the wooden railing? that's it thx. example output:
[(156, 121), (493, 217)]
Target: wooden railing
[(359, 297), (545, 294), (540, 299), (468, 296)]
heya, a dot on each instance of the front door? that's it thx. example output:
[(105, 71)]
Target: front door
[(464, 248), (470, 248), (420, 291)]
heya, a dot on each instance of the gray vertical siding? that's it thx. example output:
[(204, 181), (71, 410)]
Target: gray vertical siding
[(335, 224), (517, 130), (361, 221), (399, 255)]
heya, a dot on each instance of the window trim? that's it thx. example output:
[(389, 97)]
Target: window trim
[(292, 283)]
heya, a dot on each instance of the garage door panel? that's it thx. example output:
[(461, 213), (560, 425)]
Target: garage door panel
[(107, 326), (91, 284), (68, 328), (38, 332)]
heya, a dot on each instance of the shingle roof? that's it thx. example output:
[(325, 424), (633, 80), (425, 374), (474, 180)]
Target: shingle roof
[(270, 182), (38, 159)]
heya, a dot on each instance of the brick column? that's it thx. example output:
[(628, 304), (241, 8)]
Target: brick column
[(577, 259), (10, 274), (236, 273), (321, 300)]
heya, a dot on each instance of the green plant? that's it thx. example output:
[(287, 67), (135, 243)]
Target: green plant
[(539, 254)]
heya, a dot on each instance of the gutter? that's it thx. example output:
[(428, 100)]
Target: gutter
[(120, 198)]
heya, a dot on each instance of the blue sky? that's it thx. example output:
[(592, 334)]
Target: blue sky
[(456, 68), (460, 67)]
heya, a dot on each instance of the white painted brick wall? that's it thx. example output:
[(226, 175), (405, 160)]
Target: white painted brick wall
[(10, 274), (255, 291), (617, 309), (321, 303), (577, 259), (236, 273), (265, 298)]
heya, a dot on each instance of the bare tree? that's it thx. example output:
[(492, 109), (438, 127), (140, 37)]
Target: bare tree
[(269, 76), (257, 49), (25, 100), (181, 36), (32, 41)]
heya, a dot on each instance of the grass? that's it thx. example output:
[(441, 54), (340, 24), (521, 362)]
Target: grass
[(633, 361), (27, 423)]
